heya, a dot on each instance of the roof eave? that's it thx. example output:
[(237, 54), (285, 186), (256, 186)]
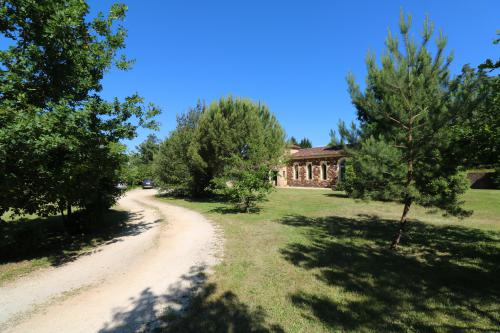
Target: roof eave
[(293, 157)]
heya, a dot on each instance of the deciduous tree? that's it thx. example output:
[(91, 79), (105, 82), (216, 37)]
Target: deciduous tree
[(59, 141)]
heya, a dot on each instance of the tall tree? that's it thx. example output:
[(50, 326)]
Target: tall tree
[(492, 64), (59, 141), (349, 135), (495, 103), (292, 141), (56, 53), (305, 143), (334, 140), (139, 164), (405, 113), (234, 132), (147, 149), (476, 127), (173, 167), (346, 135)]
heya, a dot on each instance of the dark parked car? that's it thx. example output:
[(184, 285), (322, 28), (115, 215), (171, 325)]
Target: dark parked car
[(147, 183)]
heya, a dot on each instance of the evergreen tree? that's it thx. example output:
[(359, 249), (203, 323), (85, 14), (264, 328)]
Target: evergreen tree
[(305, 143), (292, 141), (349, 135), (147, 149), (228, 148), (234, 132), (405, 113), (173, 167), (334, 141), (494, 102), (476, 127), (139, 163), (491, 64)]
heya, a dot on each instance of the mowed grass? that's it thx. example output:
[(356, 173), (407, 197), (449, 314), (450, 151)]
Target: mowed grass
[(316, 261)]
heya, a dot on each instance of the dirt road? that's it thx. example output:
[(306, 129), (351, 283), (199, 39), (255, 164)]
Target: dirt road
[(123, 286)]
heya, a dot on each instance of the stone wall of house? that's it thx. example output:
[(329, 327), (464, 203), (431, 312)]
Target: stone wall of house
[(281, 180), (316, 181)]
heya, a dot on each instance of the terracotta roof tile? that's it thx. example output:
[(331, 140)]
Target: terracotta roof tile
[(317, 152)]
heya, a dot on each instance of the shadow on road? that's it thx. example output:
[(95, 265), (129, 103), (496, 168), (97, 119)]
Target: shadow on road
[(47, 237), (191, 305)]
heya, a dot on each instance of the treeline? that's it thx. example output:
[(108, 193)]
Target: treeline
[(304, 143), (138, 165)]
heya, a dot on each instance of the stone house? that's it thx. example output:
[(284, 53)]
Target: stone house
[(312, 167)]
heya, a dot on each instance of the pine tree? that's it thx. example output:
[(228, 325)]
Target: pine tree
[(234, 136), (404, 114), (172, 166), (292, 141), (334, 141), (305, 143)]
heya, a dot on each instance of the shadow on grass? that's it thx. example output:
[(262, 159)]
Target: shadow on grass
[(224, 206), (193, 306), (234, 210), (47, 237), (445, 279), (221, 313), (336, 195), (199, 199)]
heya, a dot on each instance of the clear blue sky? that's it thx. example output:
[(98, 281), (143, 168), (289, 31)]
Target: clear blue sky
[(292, 55)]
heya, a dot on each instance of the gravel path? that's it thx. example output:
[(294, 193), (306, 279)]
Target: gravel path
[(122, 286)]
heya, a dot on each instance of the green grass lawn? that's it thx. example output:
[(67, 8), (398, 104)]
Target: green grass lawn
[(316, 261)]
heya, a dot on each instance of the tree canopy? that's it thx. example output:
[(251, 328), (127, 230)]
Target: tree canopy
[(476, 127), (292, 141), (59, 140), (139, 163), (173, 165), (224, 147), (305, 143), (235, 130)]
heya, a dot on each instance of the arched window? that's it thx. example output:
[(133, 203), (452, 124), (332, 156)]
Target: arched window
[(324, 175), (295, 171), (309, 171)]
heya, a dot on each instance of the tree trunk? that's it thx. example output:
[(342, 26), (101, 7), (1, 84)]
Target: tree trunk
[(409, 180), (69, 212), (66, 224), (402, 225), (67, 219)]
